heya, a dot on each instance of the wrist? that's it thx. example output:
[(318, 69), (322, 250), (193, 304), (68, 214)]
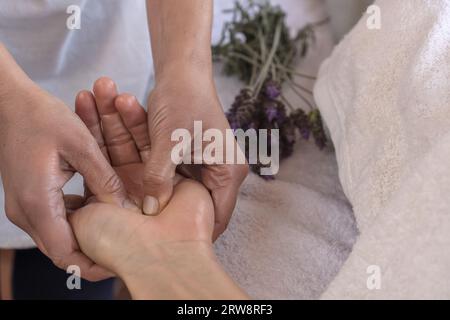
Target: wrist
[(145, 274), (148, 256), (182, 270), (200, 70)]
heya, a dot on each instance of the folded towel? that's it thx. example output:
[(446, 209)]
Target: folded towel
[(385, 97)]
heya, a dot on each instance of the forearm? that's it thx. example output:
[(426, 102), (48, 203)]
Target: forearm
[(180, 35), (185, 271)]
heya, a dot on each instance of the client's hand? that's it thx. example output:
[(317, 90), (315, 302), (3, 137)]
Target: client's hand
[(167, 256), (119, 124)]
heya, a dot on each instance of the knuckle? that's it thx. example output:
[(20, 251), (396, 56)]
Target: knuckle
[(153, 178), (113, 184), (120, 139), (90, 148), (58, 260), (82, 148), (59, 254)]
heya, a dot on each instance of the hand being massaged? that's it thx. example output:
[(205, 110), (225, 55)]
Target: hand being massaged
[(164, 256)]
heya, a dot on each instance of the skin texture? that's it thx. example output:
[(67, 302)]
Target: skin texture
[(43, 144), (184, 93), (159, 257)]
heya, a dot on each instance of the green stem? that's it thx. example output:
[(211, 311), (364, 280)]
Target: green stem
[(277, 66), (286, 101), (311, 107), (244, 57), (266, 67), (301, 87), (294, 73), (262, 45)]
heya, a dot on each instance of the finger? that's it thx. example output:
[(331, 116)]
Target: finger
[(224, 202), (86, 109), (49, 221), (224, 182), (89, 269), (135, 120), (83, 154), (119, 142), (158, 178)]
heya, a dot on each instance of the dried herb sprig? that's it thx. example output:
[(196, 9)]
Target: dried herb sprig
[(256, 46)]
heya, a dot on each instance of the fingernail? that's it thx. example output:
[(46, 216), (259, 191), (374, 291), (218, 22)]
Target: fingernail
[(128, 204), (151, 206)]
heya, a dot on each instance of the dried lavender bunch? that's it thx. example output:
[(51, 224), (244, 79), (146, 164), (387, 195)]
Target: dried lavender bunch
[(256, 46), (254, 31)]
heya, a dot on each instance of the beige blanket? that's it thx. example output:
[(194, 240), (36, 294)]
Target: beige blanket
[(385, 96)]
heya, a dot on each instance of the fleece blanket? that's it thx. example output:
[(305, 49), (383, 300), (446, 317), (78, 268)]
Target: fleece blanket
[(385, 97), (288, 238)]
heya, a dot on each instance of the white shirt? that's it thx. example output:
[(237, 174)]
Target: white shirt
[(112, 41)]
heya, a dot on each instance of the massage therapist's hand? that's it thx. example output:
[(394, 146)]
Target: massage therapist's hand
[(176, 102), (42, 144), (184, 93)]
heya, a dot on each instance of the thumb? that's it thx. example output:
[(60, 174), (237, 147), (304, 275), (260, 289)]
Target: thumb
[(158, 179), (99, 176)]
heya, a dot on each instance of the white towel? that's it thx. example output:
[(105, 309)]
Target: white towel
[(385, 96), (288, 238)]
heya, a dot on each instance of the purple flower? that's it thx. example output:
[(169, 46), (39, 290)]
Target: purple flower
[(305, 133), (272, 112), (272, 90), (234, 125)]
